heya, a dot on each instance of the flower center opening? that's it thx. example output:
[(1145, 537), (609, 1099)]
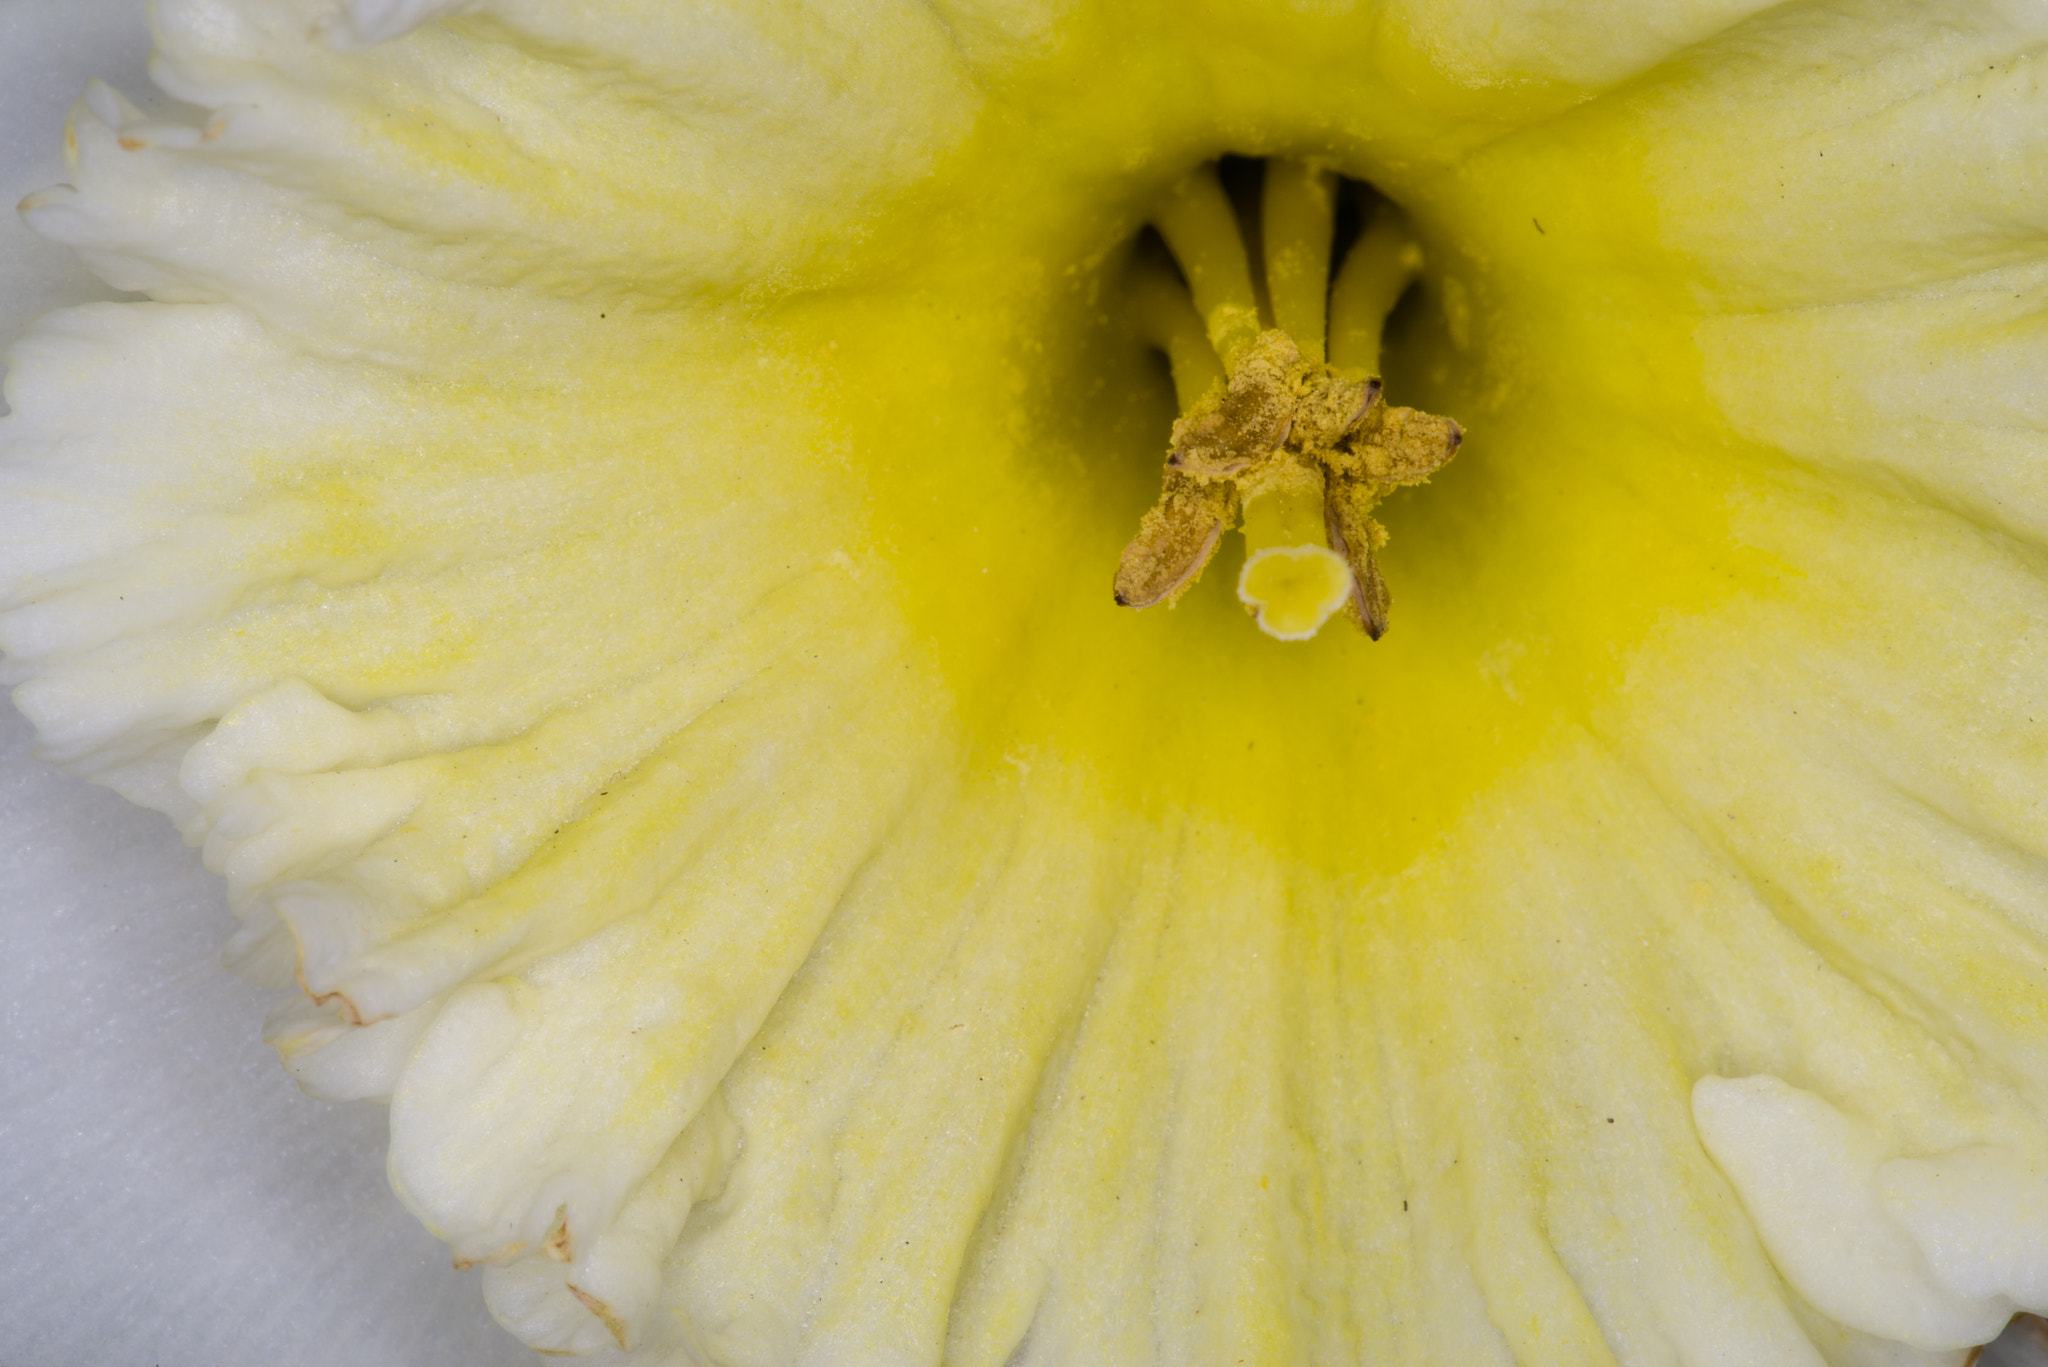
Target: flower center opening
[(1282, 429)]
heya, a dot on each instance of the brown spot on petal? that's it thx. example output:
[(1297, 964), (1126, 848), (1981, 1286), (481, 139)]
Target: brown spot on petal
[(350, 1014), (556, 1245), (497, 1257), (603, 1312)]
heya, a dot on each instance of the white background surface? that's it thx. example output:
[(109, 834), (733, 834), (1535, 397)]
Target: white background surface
[(168, 1198)]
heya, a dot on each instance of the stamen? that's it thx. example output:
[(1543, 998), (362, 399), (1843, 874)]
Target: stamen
[(1174, 542), (1201, 231), (1298, 221), (1292, 581), (1376, 272), (1230, 430), (1347, 518), (1298, 451), (1167, 319)]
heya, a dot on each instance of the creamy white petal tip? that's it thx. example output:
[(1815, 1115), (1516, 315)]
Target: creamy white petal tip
[(1823, 1195), (368, 22), (1979, 1215)]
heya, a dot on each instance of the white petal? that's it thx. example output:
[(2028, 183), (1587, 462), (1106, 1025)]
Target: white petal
[(1807, 1175)]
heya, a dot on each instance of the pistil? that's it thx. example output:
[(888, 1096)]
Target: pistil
[(1292, 581), (1296, 449)]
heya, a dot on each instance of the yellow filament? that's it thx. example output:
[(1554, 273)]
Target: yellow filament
[(1379, 267), (1286, 514), (1298, 216), (1201, 231), (1167, 319)]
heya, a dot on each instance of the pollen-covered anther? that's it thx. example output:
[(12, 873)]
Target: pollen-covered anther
[(1401, 446), (1244, 420), (1353, 534), (1332, 409), (1174, 541), (1290, 441)]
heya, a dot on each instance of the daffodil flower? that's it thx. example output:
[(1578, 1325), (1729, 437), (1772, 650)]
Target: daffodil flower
[(609, 533)]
